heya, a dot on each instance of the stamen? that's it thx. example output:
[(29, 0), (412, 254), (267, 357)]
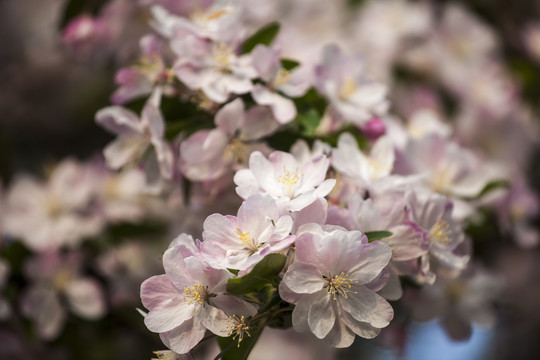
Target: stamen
[(339, 285), (238, 327), (283, 76), (197, 293), (247, 241), (440, 232), (289, 179), (165, 355)]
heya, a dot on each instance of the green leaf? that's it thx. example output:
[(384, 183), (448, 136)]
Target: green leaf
[(310, 120), (263, 273), (289, 64), (264, 36), (493, 185), (377, 235), (230, 349)]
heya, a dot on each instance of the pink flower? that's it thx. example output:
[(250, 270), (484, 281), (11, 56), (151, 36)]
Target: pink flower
[(351, 93), (189, 299), (333, 284), (278, 80), (56, 277), (136, 135), (241, 242), (293, 185)]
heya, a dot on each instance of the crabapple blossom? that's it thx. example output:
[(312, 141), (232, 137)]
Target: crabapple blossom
[(364, 169), (278, 80), (241, 242), (350, 92), (333, 283), (293, 185), (189, 299), (137, 135), (208, 154), (56, 277)]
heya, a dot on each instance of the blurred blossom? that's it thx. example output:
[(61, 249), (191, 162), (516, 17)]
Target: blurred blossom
[(57, 284)]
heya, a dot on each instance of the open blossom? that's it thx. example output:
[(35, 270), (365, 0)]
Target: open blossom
[(189, 299), (293, 185), (351, 93), (333, 283), (432, 214), (54, 213), (364, 169), (209, 154), (241, 242), (136, 135), (55, 278), (278, 80), (148, 73)]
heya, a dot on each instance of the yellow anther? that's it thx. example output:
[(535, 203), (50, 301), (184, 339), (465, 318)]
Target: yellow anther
[(283, 76), (348, 88), (197, 293), (238, 327), (222, 54), (339, 285), (247, 241), (165, 355), (440, 232)]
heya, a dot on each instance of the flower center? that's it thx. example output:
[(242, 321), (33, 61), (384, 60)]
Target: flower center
[(289, 179), (339, 285), (348, 88), (247, 241), (282, 77), (165, 355), (238, 327), (197, 293), (440, 232), (222, 55)]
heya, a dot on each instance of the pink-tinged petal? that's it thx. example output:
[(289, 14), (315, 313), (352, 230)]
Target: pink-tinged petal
[(314, 172), (266, 62), (283, 227), (299, 83), (158, 291), (303, 278), (288, 295), (123, 150), (214, 320), (325, 187), (173, 263), (300, 313), (366, 306), (201, 155), (230, 116), (373, 259), (407, 242), (316, 212), (184, 337), (380, 281), (263, 170), (360, 328), (166, 318), (283, 109), (151, 116), (392, 290), (246, 183), (233, 305), (306, 246), (382, 154), (347, 159), (340, 336), (41, 303), (85, 298), (258, 123), (119, 120), (165, 158), (322, 316)]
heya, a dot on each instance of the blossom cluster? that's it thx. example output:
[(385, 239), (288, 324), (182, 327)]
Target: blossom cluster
[(304, 183)]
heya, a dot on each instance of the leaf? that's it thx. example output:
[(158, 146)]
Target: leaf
[(493, 185), (230, 349), (377, 235), (263, 273), (310, 121), (264, 36), (289, 64)]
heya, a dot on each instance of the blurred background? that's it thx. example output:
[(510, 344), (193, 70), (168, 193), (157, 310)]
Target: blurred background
[(475, 63)]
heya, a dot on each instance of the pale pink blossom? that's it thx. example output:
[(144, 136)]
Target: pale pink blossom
[(364, 169), (278, 81), (348, 88), (57, 284), (293, 185), (189, 299), (136, 136), (209, 154), (333, 283), (239, 242)]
